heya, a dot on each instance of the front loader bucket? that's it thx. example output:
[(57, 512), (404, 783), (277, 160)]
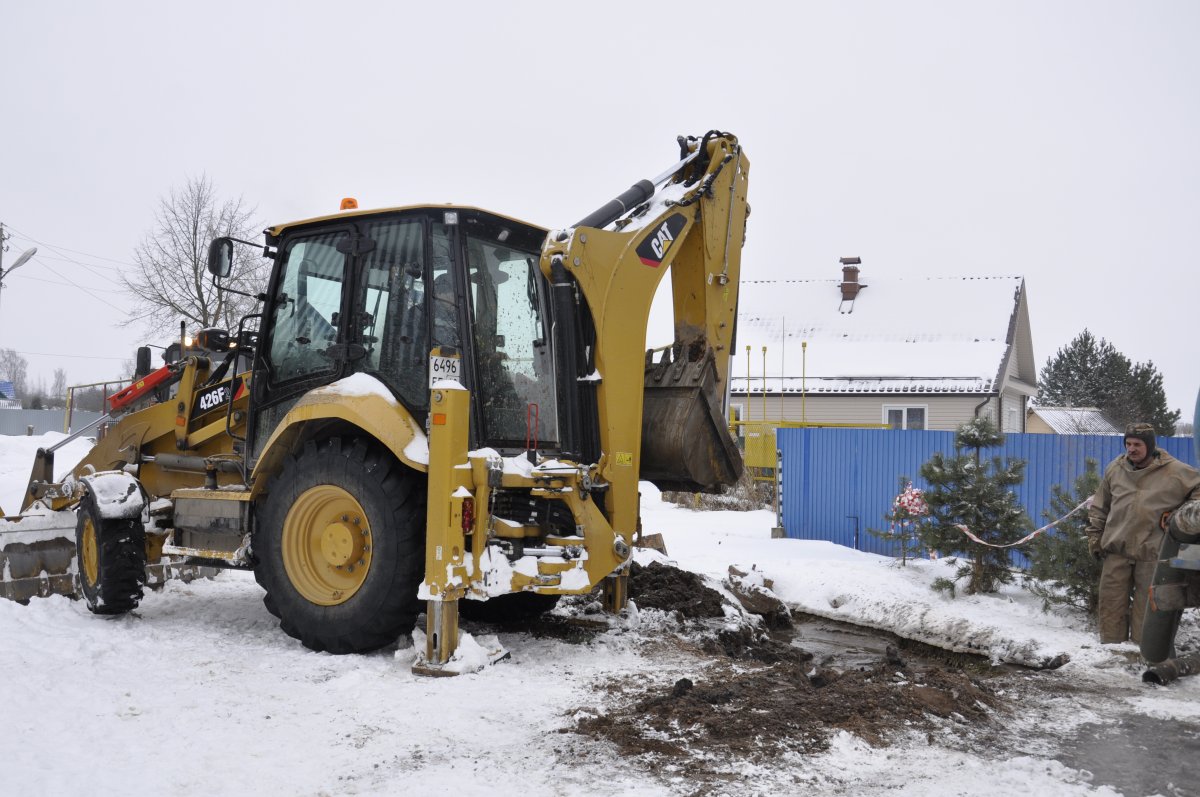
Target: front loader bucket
[(686, 443), (37, 555)]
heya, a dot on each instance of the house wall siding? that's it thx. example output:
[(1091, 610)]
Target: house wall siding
[(1035, 425), (1025, 364), (1012, 411), (945, 413)]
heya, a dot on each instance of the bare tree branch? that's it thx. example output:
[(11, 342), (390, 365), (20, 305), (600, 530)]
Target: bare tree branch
[(170, 281)]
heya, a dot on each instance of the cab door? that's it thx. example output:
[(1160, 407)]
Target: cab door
[(514, 382), (303, 344)]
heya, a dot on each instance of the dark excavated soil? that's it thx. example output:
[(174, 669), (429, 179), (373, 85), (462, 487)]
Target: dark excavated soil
[(670, 589), (754, 696), (787, 706)]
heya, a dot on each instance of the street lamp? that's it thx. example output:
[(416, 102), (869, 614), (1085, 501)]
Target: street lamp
[(4, 272)]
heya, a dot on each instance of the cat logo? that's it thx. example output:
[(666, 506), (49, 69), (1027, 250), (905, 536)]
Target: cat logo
[(657, 245)]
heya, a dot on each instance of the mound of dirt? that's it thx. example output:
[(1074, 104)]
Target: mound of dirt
[(758, 696), (789, 706), (659, 586)]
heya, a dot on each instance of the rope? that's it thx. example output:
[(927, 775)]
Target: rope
[(1029, 536)]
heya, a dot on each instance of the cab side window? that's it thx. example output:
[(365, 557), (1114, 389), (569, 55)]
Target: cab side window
[(392, 324), (304, 323)]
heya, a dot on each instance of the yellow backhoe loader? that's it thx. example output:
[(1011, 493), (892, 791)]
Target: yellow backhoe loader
[(438, 406)]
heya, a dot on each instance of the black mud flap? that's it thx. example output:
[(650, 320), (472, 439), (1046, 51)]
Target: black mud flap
[(686, 443)]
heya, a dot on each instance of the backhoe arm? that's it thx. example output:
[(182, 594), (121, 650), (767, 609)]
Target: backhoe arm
[(693, 222)]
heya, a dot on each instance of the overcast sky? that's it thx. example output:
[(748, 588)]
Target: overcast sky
[(1052, 140)]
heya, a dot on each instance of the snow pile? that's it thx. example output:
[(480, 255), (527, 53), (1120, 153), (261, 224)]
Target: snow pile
[(117, 495), (471, 655), (16, 463), (207, 663), (839, 583)]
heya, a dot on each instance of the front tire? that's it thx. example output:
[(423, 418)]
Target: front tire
[(339, 543), (111, 553)]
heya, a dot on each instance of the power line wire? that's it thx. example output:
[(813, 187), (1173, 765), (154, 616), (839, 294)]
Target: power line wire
[(68, 260), (85, 290), (56, 282), (72, 356), (68, 280), (88, 267), (85, 266), (69, 249)]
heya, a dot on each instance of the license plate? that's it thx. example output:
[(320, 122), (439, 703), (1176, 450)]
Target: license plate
[(444, 368)]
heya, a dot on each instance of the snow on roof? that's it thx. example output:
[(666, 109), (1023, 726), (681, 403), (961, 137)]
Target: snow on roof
[(899, 335), (1075, 420)]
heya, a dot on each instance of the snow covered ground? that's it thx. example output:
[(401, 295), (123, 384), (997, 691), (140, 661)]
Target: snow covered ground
[(199, 692)]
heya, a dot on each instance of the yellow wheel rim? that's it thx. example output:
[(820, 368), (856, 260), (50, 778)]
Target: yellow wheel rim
[(326, 545), (90, 555)]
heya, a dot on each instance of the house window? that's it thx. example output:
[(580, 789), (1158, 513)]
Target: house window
[(899, 417)]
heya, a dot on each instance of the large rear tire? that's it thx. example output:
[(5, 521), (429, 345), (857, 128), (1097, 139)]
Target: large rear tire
[(339, 546), (111, 553)]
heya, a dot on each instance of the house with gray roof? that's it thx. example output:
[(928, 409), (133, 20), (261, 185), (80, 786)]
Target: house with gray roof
[(904, 352), (1068, 420)]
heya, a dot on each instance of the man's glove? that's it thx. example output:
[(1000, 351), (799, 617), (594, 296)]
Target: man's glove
[(1095, 549)]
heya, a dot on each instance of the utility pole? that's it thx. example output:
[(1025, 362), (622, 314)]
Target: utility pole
[(22, 260)]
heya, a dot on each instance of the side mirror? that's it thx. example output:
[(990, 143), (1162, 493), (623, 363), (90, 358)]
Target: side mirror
[(143, 366), (220, 257)]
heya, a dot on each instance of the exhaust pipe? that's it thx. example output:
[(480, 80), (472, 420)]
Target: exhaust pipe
[(1163, 673)]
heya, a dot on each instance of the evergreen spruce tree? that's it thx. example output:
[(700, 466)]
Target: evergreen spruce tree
[(1063, 570), (1148, 400), (965, 489), (1082, 373), (1091, 373)]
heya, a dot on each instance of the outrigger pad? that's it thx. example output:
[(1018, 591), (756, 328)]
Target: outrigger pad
[(471, 655), (686, 443)]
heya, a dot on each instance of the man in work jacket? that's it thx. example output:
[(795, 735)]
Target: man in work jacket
[(1125, 527)]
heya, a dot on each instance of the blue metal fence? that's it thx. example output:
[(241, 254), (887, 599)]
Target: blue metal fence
[(18, 422), (837, 483)]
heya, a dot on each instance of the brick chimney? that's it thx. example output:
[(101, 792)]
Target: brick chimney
[(850, 285)]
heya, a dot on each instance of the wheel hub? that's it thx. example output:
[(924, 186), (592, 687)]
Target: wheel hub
[(326, 545), (341, 544), (90, 555)]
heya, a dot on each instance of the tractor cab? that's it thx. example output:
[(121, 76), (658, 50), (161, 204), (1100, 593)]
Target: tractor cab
[(376, 292)]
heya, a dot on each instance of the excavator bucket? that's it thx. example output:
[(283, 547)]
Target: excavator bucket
[(686, 443)]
